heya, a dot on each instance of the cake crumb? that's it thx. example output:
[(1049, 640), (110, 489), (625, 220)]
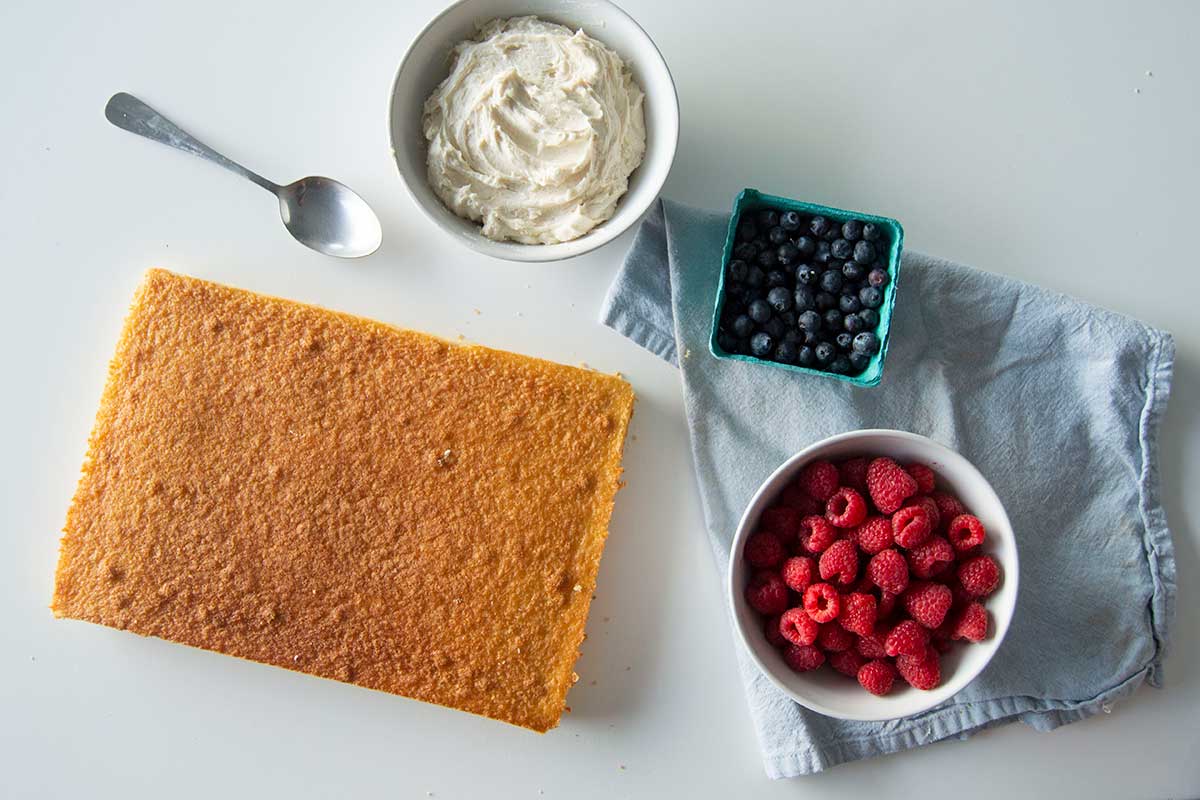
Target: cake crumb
[(1137, 90), (477, 311), (1149, 74)]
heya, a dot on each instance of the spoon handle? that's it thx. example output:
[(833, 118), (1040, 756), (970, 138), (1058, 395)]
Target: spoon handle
[(127, 112)]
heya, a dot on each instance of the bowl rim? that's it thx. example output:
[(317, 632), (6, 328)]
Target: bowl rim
[(735, 592), (559, 251)]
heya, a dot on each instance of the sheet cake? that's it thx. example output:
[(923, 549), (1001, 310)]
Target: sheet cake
[(329, 494)]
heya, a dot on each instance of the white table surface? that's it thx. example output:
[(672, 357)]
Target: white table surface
[(1010, 136)]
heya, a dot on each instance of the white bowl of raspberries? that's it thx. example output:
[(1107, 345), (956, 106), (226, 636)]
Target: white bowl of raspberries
[(873, 575)]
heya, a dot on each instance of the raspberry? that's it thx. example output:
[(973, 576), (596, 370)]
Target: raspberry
[(889, 571), (846, 508), (941, 645), (921, 672), (794, 496), (771, 630), (961, 596), (873, 535), (877, 676), (971, 623), (928, 603), (907, 638), (979, 575), (931, 508), (887, 604), (911, 526), (847, 662), (932, 558), (889, 485), (833, 638), (819, 479), (840, 562), (858, 613), (965, 532), (767, 593), (923, 475), (782, 521), (871, 646), (798, 573), (803, 658), (821, 601), (853, 473), (798, 627), (816, 534), (764, 550), (948, 505)]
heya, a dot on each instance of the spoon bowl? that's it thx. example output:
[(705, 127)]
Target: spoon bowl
[(329, 217)]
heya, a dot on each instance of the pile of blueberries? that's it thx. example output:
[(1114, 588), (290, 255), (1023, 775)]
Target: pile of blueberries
[(805, 290)]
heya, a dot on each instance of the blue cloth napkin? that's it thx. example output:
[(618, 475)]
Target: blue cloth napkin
[(1058, 403)]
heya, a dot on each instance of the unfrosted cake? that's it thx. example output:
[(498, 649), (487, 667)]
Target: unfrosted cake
[(329, 494)]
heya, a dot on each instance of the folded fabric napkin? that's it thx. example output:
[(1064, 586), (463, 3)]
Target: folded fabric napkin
[(1058, 403)]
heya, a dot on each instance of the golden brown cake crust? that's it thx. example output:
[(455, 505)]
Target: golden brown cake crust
[(329, 494)]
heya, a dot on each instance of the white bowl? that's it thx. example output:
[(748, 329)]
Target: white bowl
[(836, 695), (427, 63)]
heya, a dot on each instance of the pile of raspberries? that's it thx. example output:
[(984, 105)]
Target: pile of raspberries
[(866, 565)]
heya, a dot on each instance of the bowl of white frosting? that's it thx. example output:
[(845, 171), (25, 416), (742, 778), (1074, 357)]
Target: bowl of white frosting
[(533, 130)]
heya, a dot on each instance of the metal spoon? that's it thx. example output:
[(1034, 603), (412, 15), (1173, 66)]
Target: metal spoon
[(320, 212)]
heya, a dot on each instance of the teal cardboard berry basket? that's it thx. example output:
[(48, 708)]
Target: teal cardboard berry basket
[(753, 200)]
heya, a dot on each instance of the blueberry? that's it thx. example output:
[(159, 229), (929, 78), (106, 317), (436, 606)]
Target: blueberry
[(768, 259), (841, 249), (779, 297), (761, 344), (788, 318), (727, 342), (848, 304), (777, 277), (840, 365), (870, 231), (852, 271), (852, 230), (786, 352), (852, 323), (822, 255), (743, 326), (833, 234), (864, 252), (832, 319), (775, 327), (743, 347), (755, 277), (866, 343), (806, 275), (806, 357), (812, 338), (824, 352), (843, 341), (746, 251), (826, 301), (806, 245), (788, 254), (809, 321), (871, 297), (768, 218), (734, 305), (790, 220), (747, 230), (831, 281), (777, 236), (858, 362), (870, 318), (795, 336), (878, 278), (804, 298), (738, 270), (759, 311), (818, 225)]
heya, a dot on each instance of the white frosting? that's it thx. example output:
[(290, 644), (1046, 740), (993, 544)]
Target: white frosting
[(535, 131)]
